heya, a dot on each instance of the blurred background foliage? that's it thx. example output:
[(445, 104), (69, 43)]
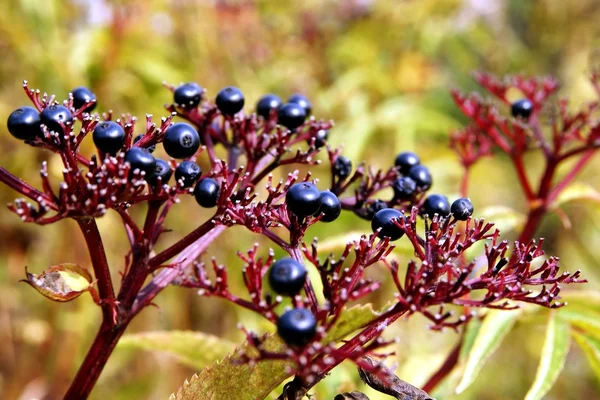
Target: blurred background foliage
[(381, 69)]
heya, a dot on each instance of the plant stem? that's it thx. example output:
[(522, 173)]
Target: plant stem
[(445, 369), (24, 188)]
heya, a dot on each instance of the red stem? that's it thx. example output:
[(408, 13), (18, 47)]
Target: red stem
[(24, 188), (572, 174), (445, 369)]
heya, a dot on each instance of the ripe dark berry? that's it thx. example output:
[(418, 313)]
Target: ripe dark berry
[(188, 95), (384, 219), (267, 103), (320, 138), (330, 206), (291, 115), (181, 140), (108, 137), (24, 123), (462, 209), (207, 192), (404, 188), (375, 206), (162, 170), (287, 276), (297, 326), (303, 199), (149, 148), (342, 167), (421, 175), (405, 161), (188, 172), (140, 159), (302, 101), (55, 115), (521, 109), (436, 204), (230, 100), (81, 95)]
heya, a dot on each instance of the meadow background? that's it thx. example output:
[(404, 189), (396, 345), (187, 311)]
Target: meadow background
[(381, 69)]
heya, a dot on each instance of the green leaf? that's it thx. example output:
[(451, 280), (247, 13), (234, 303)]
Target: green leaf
[(554, 354), (194, 349), (256, 382), (585, 319), (577, 192), (591, 347), (495, 327)]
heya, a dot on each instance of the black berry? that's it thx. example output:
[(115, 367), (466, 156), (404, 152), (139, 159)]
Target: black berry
[(230, 100), (162, 170), (188, 95), (405, 161), (267, 103), (375, 206), (320, 138), (108, 137), (24, 123), (287, 276), (303, 199), (462, 209), (302, 101), (422, 177), (81, 95), (188, 172), (140, 159), (297, 326), (149, 148), (521, 109), (181, 140), (342, 167), (55, 115), (291, 115), (436, 204), (207, 192), (384, 219), (330, 206), (404, 188)]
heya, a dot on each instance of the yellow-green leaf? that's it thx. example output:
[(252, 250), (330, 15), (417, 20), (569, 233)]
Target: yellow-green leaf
[(554, 354), (591, 347), (256, 382), (194, 349), (505, 218), (586, 320), (577, 192), (63, 282), (495, 327)]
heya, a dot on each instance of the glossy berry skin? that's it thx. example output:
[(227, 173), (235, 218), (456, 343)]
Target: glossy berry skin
[(521, 109), (140, 159), (287, 276), (462, 208), (52, 116), (207, 192), (320, 138), (342, 167), (405, 161), (139, 137), (404, 188), (230, 100), (108, 137), (302, 101), (267, 103), (303, 199), (162, 170), (291, 115), (188, 172), (188, 95), (297, 327), (422, 177), (436, 204), (24, 123), (330, 206), (181, 140), (82, 95), (374, 207), (384, 219)]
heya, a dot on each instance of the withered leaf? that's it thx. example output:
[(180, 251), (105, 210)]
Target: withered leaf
[(62, 282), (385, 381)]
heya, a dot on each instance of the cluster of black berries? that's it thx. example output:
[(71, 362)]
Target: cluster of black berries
[(296, 326), (304, 200)]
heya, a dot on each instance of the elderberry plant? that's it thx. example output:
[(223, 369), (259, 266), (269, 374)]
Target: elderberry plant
[(313, 336)]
